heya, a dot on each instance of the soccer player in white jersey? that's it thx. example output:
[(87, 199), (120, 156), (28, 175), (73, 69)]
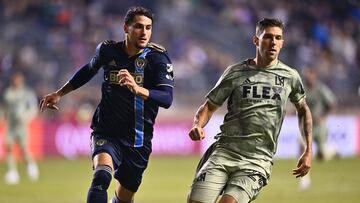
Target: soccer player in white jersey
[(321, 101), (239, 163), (20, 108)]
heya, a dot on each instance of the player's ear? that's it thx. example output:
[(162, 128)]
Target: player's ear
[(282, 43), (126, 28), (256, 40)]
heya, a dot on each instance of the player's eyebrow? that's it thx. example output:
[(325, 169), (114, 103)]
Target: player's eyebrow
[(137, 25), (277, 36)]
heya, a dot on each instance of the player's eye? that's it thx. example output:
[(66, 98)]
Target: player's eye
[(278, 37), (138, 26), (270, 37), (267, 36)]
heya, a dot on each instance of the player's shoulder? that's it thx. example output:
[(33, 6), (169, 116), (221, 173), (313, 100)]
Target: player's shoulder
[(238, 66), (290, 70), (156, 47), (157, 54), (322, 86), (106, 44), (28, 90), (106, 48)]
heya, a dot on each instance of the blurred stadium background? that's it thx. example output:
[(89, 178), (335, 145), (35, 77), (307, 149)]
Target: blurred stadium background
[(50, 39)]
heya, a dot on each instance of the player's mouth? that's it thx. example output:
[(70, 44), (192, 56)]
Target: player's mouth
[(272, 51), (143, 40)]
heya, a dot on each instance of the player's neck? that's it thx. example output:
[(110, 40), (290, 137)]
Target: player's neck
[(17, 86), (311, 85), (131, 50), (263, 63)]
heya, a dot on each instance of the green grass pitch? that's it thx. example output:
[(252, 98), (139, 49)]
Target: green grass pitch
[(168, 179)]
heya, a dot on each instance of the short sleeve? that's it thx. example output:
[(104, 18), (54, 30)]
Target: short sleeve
[(297, 88), (328, 97), (222, 88), (101, 56)]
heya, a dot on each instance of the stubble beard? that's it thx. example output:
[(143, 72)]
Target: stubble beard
[(140, 46)]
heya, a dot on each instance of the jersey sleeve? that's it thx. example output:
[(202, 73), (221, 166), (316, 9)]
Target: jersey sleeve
[(297, 89), (102, 55), (328, 97), (222, 89), (164, 72), (31, 105), (88, 71)]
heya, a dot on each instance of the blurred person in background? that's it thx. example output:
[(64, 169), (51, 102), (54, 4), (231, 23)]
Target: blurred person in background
[(20, 107), (138, 79), (321, 101), (240, 162)]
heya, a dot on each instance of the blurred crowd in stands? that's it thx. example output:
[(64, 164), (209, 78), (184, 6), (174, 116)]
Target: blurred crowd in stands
[(50, 39)]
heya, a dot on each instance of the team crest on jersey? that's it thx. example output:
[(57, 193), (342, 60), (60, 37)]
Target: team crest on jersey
[(279, 80), (201, 177), (140, 63)]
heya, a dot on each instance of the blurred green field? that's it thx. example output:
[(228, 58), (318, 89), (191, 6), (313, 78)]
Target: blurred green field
[(167, 180)]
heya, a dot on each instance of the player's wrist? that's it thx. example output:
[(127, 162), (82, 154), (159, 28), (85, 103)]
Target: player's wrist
[(308, 150), (59, 93), (196, 125), (140, 91)]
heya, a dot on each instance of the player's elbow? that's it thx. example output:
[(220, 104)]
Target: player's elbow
[(167, 102), (162, 97)]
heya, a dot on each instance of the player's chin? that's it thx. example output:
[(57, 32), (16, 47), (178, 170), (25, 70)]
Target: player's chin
[(272, 56), (141, 45)]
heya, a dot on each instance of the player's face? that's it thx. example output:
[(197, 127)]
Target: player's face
[(139, 32), (310, 77), (270, 42), (18, 80)]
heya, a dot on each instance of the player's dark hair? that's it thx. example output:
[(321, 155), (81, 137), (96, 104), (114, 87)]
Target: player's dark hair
[(137, 10), (268, 22)]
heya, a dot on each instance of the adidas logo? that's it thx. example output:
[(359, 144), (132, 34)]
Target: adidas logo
[(247, 81), (112, 63)]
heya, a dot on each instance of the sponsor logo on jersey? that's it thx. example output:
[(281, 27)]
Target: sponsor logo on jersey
[(261, 92), (139, 78), (114, 79)]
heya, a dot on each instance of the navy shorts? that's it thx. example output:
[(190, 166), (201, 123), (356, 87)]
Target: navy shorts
[(129, 162)]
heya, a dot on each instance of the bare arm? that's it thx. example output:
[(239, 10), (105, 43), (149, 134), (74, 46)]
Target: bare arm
[(305, 125), (50, 100), (201, 118)]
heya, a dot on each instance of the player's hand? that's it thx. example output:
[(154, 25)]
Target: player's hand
[(197, 133), (303, 166), (127, 80), (50, 101)]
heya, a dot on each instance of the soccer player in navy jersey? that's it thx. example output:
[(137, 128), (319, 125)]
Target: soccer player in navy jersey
[(138, 79)]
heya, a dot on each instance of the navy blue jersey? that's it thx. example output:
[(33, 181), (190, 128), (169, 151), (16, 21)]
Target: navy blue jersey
[(121, 114)]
